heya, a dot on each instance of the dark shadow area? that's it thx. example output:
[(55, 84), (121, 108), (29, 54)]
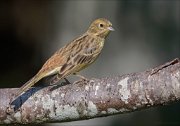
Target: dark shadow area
[(19, 101)]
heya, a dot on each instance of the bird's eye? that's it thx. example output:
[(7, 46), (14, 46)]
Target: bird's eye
[(101, 25)]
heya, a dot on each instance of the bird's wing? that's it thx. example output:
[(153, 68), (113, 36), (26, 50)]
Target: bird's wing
[(86, 56), (53, 65), (71, 57), (80, 58), (61, 60)]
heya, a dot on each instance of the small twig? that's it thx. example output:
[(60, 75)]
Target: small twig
[(157, 69)]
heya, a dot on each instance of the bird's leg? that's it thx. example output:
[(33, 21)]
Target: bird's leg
[(67, 81), (80, 76), (56, 78)]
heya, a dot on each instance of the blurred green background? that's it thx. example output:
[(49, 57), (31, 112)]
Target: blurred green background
[(147, 34)]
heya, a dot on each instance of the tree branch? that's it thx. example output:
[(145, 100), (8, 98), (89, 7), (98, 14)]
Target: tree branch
[(98, 97)]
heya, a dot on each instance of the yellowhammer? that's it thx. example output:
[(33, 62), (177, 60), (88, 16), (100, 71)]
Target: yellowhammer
[(74, 56)]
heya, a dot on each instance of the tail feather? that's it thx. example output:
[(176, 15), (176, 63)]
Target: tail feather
[(28, 84)]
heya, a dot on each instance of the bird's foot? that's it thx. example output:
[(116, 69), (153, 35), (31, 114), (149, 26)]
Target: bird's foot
[(82, 78)]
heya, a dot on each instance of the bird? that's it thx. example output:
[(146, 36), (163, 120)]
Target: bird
[(74, 56)]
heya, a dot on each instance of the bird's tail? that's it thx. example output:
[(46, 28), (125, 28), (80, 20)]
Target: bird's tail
[(28, 84)]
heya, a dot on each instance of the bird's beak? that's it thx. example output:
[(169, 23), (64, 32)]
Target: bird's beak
[(111, 28)]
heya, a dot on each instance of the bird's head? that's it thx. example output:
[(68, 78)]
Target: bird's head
[(100, 27)]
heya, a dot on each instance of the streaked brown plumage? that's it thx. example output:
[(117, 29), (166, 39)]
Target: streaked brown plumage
[(74, 56)]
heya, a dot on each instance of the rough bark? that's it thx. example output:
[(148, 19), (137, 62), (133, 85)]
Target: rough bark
[(98, 97)]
